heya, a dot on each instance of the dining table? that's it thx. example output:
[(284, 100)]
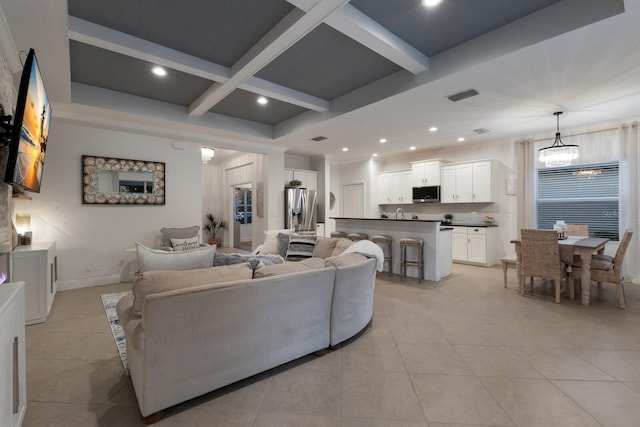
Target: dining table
[(570, 246)]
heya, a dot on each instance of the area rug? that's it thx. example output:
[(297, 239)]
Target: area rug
[(109, 302)]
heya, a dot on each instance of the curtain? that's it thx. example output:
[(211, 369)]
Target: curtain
[(525, 161), (629, 213)]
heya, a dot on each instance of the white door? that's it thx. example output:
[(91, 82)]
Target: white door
[(353, 201)]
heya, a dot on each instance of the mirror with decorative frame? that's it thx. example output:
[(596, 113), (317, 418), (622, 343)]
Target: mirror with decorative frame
[(111, 181)]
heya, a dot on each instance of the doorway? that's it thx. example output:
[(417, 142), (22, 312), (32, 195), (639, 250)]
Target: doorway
[(242, 216)]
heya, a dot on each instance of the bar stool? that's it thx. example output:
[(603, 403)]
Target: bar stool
[(357, 236), (385, 243), (338, 234), (404, 262)]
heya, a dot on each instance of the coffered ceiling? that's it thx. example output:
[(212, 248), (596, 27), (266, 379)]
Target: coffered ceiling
[(352, 71)]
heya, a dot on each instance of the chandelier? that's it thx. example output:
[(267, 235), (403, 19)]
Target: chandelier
[(558, 154), (207, 154)]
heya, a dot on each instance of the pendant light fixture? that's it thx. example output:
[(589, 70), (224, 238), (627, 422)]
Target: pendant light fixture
[(558, 153)]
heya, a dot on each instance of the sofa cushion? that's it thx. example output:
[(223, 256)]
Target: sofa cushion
[(301, 246), (153, 282), (185, 244), (271, 244), (341, 245), (256, 261), (178, 233), (325, 246), (345, 260), (289, 267), (153, 259)]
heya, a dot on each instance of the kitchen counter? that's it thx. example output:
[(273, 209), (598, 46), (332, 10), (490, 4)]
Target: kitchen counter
[(437, 241), (452, 224)]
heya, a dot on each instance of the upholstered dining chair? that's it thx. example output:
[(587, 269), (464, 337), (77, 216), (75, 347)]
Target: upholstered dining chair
[(541, 258), (577, 230), (607, 269)]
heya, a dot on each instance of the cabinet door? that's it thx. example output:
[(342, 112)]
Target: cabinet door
[(288, 176), (32, 268), (406, 189), (301, 176), (432, 173), (477, 250), (417, 174), (464, 183), (448, 184), (312, 180), (459, 246), (384, 187), (396, 187), (482, 181)]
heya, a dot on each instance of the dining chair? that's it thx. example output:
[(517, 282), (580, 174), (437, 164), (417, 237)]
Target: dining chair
[(541, 258), (577, 230), (606, 269)]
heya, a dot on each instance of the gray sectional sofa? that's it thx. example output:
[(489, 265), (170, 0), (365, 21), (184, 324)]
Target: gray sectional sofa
[(192, 332)]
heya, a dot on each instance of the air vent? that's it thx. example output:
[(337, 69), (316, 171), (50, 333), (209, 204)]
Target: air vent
[(319, 138), (481, 131), (463, 95)]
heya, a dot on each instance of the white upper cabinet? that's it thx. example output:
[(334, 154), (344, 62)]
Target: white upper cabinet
[(425, 173), (395, 187), (309, 179), (466, 182)]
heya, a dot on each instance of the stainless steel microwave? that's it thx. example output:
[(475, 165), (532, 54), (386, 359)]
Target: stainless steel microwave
[(429, 194)]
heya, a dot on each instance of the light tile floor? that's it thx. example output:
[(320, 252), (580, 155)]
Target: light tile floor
[(464, 351)]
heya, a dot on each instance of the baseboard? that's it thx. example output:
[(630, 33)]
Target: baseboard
[(88, 282)]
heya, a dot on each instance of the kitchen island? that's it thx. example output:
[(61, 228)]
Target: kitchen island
[(437, 241)]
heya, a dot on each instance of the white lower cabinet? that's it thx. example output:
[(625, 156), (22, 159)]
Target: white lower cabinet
[(474, 245), (36, 265), (13, 380)]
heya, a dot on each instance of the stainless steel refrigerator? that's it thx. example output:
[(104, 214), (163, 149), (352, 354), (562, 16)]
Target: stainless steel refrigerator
[(300, 210)]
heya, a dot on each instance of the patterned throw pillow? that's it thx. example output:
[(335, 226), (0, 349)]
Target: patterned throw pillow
[(301, 246), (256, 261), (185, 244), (283, 244)]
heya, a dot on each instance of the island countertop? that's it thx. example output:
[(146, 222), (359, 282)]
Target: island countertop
[(452, 224), (437, 241)]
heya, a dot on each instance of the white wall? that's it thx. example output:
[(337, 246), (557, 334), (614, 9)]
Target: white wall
[(91, 240)]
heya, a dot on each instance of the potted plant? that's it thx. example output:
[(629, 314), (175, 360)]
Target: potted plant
[(448, 217), (213, 226), (295, 183)]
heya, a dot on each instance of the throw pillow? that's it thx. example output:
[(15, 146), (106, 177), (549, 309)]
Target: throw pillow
[(325, 246), (185, 244), (341, 245), (178, 233), (345, 260), (283, 244), (271, 243), (301, 246), (153, 282), (153, 259), (289, 267), (256, 261)]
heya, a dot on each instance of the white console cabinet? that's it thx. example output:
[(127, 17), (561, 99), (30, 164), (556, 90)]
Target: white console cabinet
[(474, 245), (13, 380), (36, 265)]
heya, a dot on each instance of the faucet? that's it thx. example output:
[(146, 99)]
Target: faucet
[(399, 210)]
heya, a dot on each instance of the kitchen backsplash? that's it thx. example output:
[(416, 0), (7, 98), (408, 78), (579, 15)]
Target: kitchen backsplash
[(463, 213)]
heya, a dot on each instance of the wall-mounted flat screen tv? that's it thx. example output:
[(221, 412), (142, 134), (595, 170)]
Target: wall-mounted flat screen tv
[(30, 130)]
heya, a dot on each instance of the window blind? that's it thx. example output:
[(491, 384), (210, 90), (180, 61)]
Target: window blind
[(584, 194)]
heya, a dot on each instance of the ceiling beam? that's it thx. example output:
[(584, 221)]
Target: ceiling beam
[(285, 34), (115, 41), (361, 28)]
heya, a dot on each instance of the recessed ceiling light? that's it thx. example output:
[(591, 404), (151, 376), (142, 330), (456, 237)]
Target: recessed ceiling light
[(460, 139), (374, 155), (383, 140), (262, 100), (159, 71), (345, 149), (431, 3), (433, 129), (412, 148)]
